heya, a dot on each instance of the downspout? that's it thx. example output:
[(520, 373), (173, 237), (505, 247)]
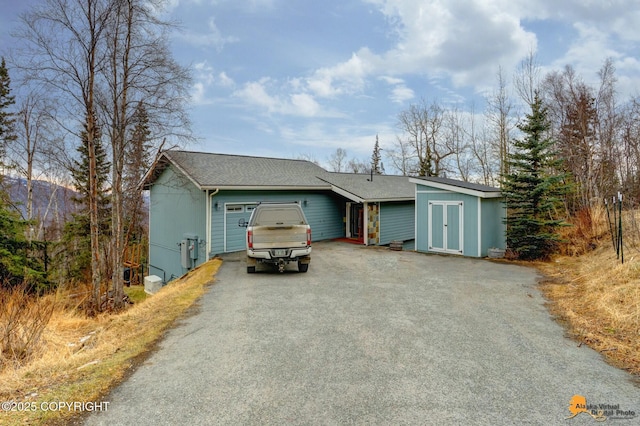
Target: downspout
[(209, 217)]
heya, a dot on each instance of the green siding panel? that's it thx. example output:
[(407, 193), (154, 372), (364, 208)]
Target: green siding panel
[(397, 222), (176, 208), (493, 231)]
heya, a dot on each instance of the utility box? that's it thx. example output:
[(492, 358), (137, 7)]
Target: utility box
[(185, 258), (189, 250), (152, 284)]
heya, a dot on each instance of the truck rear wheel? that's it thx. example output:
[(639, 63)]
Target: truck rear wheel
[(303, 267)]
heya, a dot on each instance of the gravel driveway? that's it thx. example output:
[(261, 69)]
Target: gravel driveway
[(369, 336)]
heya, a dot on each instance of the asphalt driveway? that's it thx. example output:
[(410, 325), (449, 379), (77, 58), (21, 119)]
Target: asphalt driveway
[(370, 336)]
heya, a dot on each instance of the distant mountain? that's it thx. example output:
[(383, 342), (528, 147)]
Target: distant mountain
[(48, 199)]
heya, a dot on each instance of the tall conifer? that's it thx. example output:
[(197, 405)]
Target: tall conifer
[(533, 189)]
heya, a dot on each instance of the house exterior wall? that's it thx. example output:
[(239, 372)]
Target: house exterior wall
[(177, 207), (493, 230), (324, 210), (397, 222)]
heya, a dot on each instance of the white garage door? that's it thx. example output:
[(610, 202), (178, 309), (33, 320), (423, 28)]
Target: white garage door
[(234, 235)]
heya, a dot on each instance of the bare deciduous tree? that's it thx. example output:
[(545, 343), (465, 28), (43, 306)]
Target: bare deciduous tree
[(64, 52), (337, 160), (401, 156), (499, 114), (34, 120), (421, 125), (101, 59), (527, 78), (139, 73)]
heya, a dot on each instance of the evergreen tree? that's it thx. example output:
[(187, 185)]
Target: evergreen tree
[(376, 163), (13, 259), (77, 232), (137, 162), (7, 117), (15, 264), (533, 189)]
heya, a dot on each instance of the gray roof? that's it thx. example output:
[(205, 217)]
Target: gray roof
[(210, 171), (476, 189), (362, 187)]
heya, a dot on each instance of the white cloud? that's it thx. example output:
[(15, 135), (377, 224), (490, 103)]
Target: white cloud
[(283, 101), (344, 78), (212, 38), (205, 78), (399, 92), (467, 40), (225, 80), (304, 104)]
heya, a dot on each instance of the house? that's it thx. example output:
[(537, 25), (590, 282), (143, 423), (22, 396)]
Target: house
[(458, 217), (198, 202)]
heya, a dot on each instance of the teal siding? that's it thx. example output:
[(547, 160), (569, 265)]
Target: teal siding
[(477, 237), (397, 222), (324, 211), (176, 208), (493, 231)]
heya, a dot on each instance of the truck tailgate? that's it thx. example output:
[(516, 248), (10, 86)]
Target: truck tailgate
[(273, 237)]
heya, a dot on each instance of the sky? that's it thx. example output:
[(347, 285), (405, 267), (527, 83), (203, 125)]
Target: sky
[(292, 78)]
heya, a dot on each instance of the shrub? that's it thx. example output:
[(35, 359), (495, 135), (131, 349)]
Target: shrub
[(23, 318)]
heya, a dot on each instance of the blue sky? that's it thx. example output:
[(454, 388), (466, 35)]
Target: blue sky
[(286, 78)]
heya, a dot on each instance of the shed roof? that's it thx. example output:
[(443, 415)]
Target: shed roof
[(476, 189)]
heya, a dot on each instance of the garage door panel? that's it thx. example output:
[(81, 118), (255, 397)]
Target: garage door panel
[(234, 238)]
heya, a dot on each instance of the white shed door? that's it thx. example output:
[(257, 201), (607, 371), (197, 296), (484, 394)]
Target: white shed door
[(445, 226)]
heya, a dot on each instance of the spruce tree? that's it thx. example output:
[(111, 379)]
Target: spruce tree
[(136, 164), (533, 189), (376, 164), (77, 232), (15, 264), (7, 117)]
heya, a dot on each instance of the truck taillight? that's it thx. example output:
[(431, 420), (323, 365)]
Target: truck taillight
[(308, 237), (250, 239)]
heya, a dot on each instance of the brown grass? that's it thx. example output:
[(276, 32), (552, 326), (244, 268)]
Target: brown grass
[(594, 294), (85, 357)]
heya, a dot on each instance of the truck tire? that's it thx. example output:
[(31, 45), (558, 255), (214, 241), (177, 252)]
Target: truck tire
[(251, 269), (303, 267)]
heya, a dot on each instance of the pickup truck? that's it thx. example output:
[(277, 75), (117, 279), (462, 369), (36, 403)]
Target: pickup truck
[(277, 234)]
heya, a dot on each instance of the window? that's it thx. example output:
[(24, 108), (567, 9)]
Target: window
[(235, 208)]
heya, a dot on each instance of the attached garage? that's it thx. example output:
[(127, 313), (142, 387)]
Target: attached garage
[(457, 217)]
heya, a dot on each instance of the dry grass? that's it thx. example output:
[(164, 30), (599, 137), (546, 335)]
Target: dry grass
[(85, 357), (594, 294)]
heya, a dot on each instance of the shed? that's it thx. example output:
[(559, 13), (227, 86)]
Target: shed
[(458, 217)]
